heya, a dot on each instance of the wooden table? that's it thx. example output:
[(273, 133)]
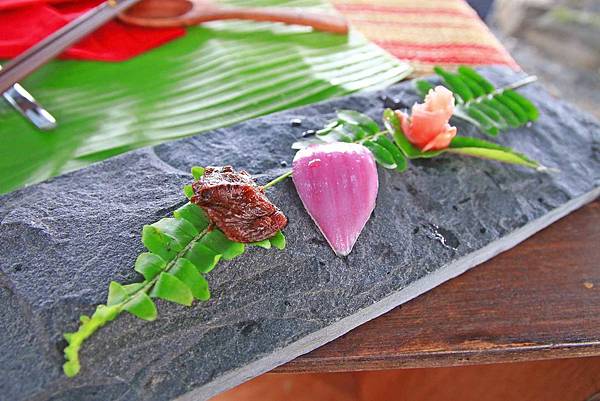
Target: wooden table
[(540, 300)]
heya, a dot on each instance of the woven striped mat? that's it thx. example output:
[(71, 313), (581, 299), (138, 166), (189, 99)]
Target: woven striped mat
[(427, 32)]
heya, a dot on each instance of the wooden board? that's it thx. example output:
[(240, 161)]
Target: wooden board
[(540, 300)]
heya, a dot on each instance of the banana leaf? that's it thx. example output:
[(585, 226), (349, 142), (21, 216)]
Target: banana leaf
[(218, 74)]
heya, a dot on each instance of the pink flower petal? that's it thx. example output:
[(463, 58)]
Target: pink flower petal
[(440, 99), (427, 127), (442, 141), (338, 185)]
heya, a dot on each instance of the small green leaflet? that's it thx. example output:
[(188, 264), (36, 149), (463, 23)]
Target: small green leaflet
[(116, 293), (278, 241), (353, 126), (392, 148), (170, 288), (381, 154), (187, 273), (354, 118), (181, 250), (480, 103), (188, 191), (142, 307), (149, 265), (197, 172)]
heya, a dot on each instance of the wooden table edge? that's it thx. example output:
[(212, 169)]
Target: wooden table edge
[(579, 230), (436, 359)]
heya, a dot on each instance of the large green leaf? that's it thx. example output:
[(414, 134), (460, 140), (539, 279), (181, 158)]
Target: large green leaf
[(219, 74)]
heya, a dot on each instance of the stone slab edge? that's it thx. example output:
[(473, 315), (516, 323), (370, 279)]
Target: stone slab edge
[(421, 286)]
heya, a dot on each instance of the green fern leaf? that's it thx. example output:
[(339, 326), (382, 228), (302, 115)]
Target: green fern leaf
[(194, 215), (188, 191), (456, 84), (197, 172), (142, 306), (492, 114), (181, 250), (488, 125), (116, 293), (423, 87), (515, 107), (219, 243), (204, 258), (170, 288), (185, 271), (399, 159), (480, 103), (477, 90), (133, 288), (149, 265), (159, 243), (355, 118), (460, 145), (265, 244), (382, 156), (278, 240), (532, 112), (468, 72), (504, 111)]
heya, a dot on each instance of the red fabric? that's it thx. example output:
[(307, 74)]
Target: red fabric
[(25, 22)]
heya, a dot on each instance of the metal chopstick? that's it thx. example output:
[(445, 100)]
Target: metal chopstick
[(56, 43), (29, 108)]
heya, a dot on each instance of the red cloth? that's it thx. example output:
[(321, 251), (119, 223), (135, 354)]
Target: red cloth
[(25, 22)]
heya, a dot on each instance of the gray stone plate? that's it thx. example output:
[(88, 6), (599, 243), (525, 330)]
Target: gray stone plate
[(64, 240)]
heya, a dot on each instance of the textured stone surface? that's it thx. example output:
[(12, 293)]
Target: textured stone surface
[(62, 241)]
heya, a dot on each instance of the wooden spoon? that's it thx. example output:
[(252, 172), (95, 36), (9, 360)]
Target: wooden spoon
[(171, 13)]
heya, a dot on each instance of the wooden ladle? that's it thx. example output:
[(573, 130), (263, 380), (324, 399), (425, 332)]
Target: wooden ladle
[(172, 13)]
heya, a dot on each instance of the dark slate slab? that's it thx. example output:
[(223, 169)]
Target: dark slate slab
[(63, 240)]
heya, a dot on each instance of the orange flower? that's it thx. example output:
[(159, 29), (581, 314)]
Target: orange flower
[(428, 127)]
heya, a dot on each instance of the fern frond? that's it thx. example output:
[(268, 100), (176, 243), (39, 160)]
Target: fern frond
[(480, 103), (391, 149), (459, 145), (182, 250)]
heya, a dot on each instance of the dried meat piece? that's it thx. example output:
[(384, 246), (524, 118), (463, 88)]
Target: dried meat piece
[(236, 205)]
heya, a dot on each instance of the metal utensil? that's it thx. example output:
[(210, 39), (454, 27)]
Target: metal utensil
[(29, 108), (56, 43), (155, 13), (26, 104)]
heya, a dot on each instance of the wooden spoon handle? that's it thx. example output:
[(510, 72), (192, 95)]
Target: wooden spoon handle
[(326, 22)]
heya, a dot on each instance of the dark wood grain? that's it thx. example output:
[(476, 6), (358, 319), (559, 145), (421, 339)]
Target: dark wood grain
[(540, 300)]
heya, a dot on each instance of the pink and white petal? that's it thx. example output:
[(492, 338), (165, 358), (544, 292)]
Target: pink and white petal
[(440, 99), (426, 125), (442, 141)]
